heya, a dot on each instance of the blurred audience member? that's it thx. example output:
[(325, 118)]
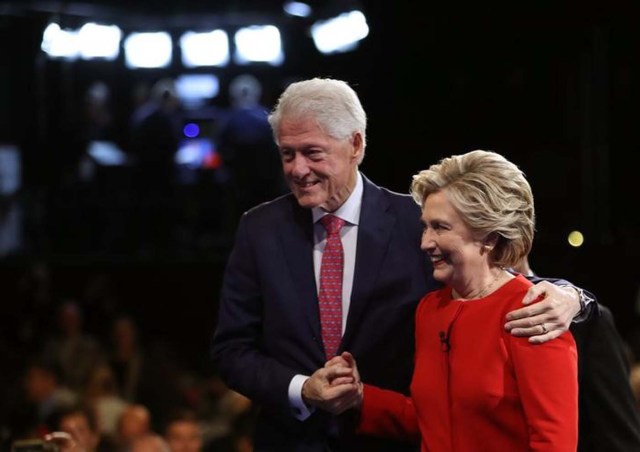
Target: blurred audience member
[(220, 407), (634, 379), (155, 132), (150, 442), (98, 118), (155, 136), (100, 305), (126, 356), (74, 351), (101, 394), (134, 423), (44, 397), (80, 422), (183, 432), (34, 308), (145, 375), (247, 147)]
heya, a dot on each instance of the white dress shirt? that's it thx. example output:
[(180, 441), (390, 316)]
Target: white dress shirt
[(350, 213)]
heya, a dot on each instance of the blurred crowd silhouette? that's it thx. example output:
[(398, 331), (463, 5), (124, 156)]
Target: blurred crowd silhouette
[(164, 183), (144, 176), (85, 367)]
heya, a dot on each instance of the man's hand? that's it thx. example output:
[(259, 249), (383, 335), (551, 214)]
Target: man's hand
[(548, 318), (331, 388), (346, 359)]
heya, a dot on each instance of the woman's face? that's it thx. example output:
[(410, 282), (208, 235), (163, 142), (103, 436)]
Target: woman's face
[(454, 252)]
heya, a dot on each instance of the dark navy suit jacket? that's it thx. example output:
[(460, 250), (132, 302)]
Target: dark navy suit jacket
[(269, 326), (609, 415)]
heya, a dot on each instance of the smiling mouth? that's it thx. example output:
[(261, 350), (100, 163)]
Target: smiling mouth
[(437, 258), (303, 185)]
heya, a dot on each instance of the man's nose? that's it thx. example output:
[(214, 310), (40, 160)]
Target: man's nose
[(299, 166)]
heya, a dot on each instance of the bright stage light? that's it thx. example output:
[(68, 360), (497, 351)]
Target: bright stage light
[(59, 43), (298, 9), (259, 44), (341, 33), (148, 50), (195, 89), (205, 49), (99, 41)]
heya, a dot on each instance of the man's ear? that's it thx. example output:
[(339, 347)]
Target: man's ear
[(358, 145)]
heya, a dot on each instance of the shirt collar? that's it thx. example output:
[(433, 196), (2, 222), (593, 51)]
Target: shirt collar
[(350, 210)]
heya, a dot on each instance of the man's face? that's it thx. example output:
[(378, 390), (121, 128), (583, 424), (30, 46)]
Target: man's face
[(320, 170)]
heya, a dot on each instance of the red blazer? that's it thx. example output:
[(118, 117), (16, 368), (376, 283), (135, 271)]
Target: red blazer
[(476, 387)]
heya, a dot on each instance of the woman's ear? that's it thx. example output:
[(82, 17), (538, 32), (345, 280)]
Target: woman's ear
[(490, 242)]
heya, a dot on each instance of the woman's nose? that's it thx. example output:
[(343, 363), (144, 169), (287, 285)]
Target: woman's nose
[(427, 242)]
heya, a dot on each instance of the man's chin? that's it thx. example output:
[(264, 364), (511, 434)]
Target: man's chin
[(307, 202)]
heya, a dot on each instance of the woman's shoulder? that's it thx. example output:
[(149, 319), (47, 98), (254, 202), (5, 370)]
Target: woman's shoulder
[(514, 290)]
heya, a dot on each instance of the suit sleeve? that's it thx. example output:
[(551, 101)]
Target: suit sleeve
[(389, 414), (609, 416), (236, 345), (588, 301), (547, 378)]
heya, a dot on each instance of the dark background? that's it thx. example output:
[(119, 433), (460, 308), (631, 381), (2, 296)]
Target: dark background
[(555, 87)]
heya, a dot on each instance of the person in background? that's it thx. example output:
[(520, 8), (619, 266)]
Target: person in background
[(183, 432), (609, 416), (154, 139), (134, 422), (146, 373), (101, 394), (81, 423), (282, 315), (75, 351), (246, 146), (150, 442), (45, 393)]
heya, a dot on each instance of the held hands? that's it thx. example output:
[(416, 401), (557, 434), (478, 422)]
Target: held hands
[(336, 387), (548, 318)]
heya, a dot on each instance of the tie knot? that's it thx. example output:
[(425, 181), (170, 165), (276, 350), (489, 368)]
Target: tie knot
[(332, 224)]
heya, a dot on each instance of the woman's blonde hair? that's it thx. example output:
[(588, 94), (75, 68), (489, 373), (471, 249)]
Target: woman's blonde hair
[(491, 195)]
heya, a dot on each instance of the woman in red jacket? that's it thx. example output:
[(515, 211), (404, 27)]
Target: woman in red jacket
[(475, 386)]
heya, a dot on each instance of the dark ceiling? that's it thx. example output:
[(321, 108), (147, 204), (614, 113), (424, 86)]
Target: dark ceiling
[(150, 13)]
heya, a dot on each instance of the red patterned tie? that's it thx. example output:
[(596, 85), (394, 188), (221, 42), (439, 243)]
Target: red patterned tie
[(330, 295)]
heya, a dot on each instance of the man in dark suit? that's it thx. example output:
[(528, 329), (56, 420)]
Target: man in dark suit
[(270, 340), (609, 417)]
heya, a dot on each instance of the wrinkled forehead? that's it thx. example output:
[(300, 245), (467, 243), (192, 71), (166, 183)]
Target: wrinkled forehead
[(300, 128)]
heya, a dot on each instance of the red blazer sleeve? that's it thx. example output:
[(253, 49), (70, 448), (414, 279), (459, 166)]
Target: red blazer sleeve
[(547, 377), (389, 414)]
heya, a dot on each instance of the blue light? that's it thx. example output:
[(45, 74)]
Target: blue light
[(191, 130)]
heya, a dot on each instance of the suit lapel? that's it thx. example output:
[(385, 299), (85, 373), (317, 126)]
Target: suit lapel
[(297, 242), (374, 233)]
